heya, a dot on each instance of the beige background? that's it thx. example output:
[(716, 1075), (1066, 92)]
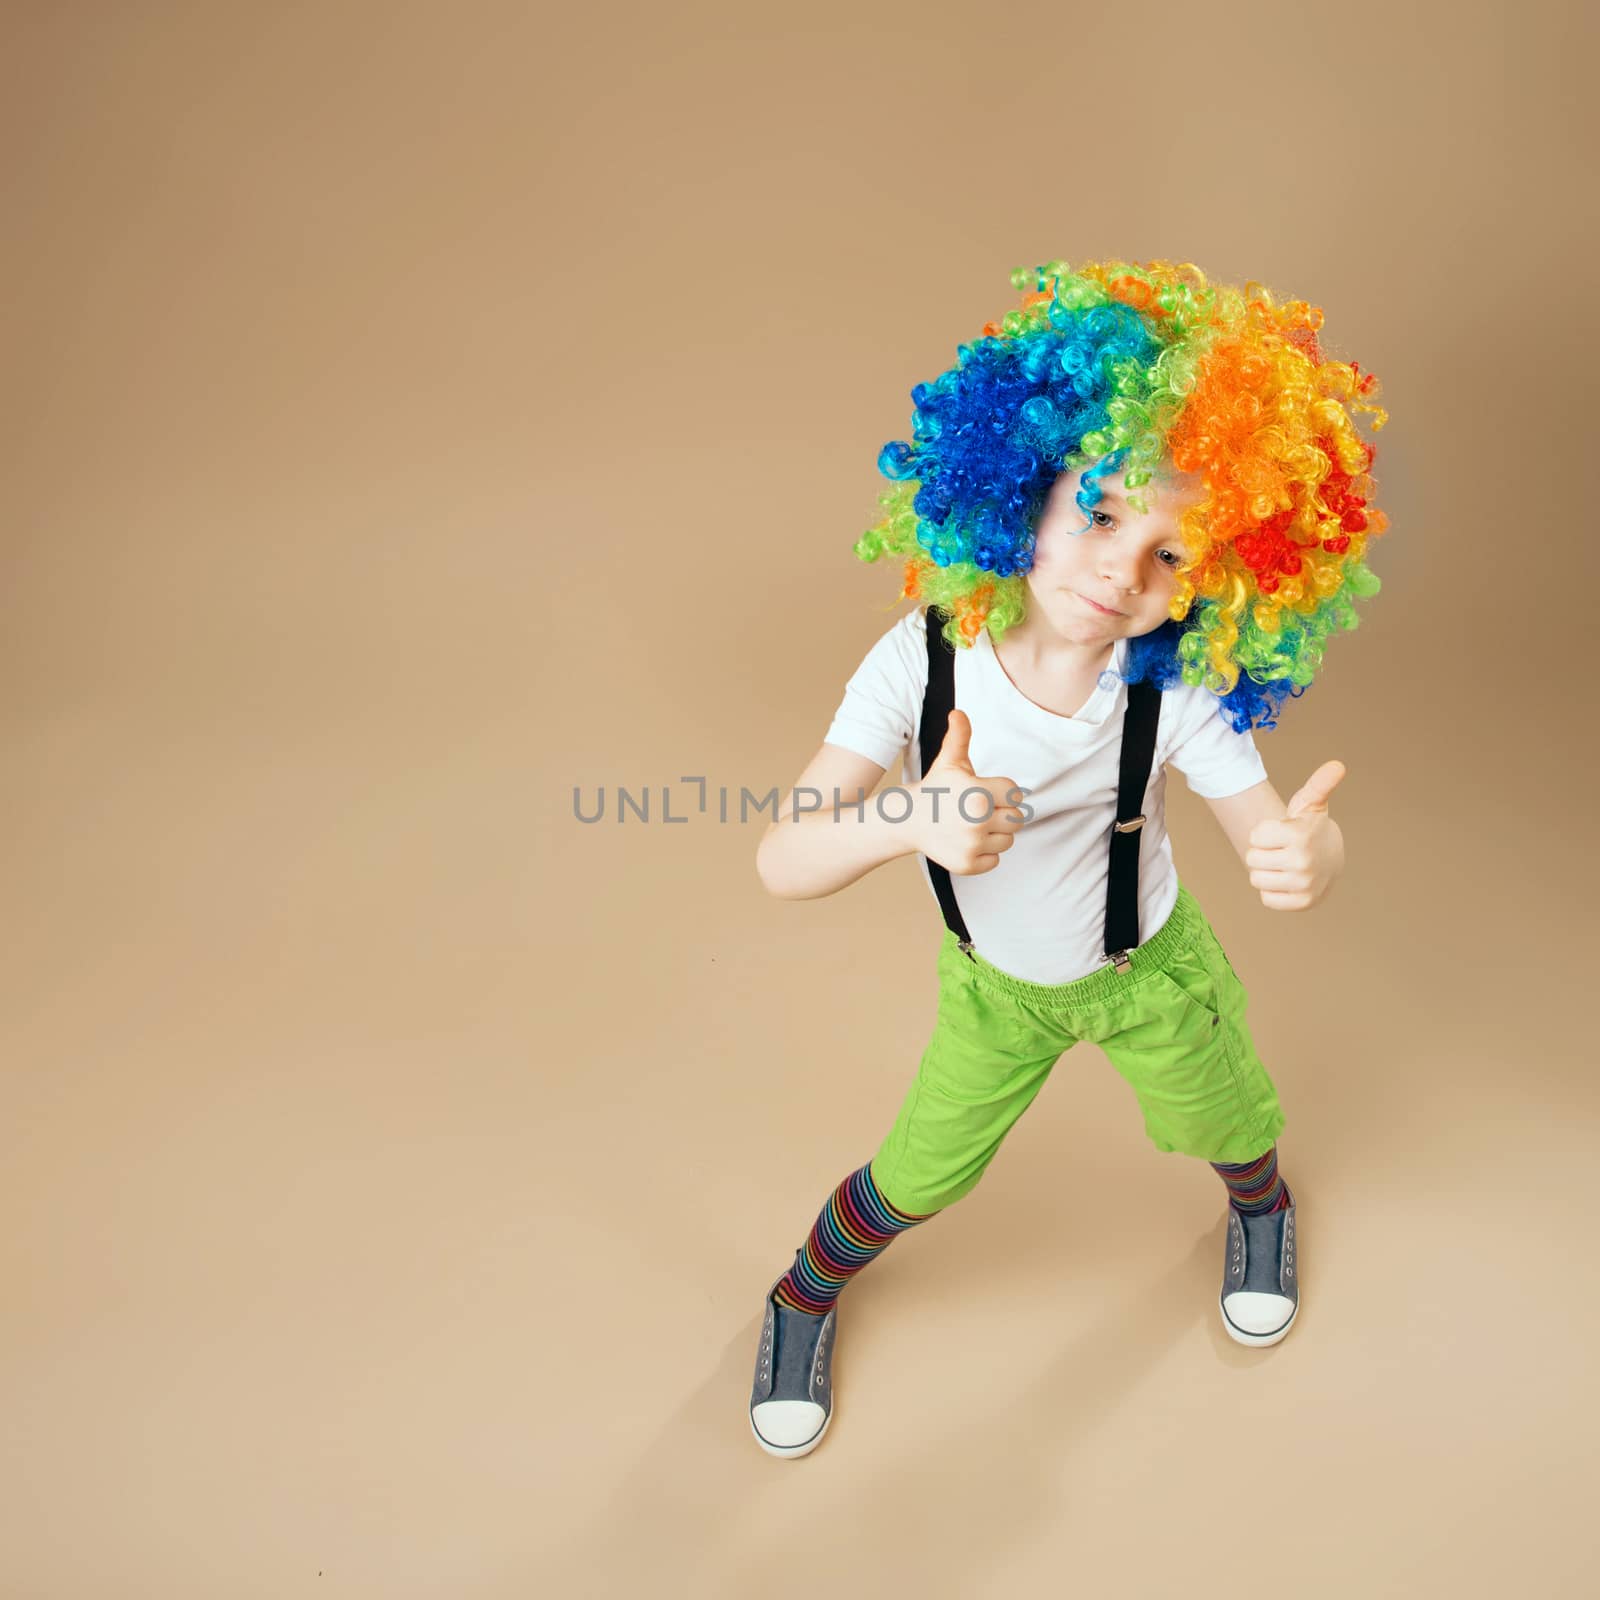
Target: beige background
[(413, 412)]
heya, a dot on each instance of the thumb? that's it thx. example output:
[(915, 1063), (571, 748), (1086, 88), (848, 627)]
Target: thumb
[(954, 751), (1313, 794)]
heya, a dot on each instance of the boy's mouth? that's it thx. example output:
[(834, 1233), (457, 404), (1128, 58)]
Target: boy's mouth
[(1104, 611)]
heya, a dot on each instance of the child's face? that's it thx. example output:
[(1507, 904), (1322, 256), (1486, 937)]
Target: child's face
[(1125, 562)]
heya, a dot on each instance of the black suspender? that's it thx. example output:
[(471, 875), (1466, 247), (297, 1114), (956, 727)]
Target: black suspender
[(1138, 751), (1122, 877), (938, 701)]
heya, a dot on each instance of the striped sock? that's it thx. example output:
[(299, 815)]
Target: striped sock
[(1255, 1188), (856, 1226)]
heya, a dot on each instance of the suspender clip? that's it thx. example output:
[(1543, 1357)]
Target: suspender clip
[(1119, 959), (1128, 827)]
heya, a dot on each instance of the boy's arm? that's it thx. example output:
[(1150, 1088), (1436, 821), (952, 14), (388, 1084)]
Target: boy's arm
[(1237, 814), (1293, 851), (809, 849)]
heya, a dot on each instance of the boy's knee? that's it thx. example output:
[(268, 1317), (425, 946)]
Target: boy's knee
[(922, 1196)]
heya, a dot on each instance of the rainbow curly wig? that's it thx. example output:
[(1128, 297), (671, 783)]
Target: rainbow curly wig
[(1119, 366)]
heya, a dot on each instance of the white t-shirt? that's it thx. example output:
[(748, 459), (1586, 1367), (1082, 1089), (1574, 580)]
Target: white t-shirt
[(1041, 913)]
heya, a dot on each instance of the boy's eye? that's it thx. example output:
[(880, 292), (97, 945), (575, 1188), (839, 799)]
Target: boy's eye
[(1168, 558)]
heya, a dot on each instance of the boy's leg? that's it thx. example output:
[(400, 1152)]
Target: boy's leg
[(1180, 1038), (986, 1062), (982, 1068), (856, 1226), (1255, 1188)]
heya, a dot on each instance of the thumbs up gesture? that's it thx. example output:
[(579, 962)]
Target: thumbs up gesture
[(960, 820), (1293, 861)]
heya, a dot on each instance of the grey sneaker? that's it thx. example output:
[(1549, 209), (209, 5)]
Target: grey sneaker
[(1260, 1277), (791, 1402)]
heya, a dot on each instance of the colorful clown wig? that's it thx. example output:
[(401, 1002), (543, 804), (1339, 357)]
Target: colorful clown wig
[(1125, 368)]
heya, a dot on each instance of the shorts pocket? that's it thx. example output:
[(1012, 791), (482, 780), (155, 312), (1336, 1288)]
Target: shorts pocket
[(1191, 980)]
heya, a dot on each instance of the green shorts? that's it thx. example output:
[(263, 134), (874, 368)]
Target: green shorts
[(1173, 1026)]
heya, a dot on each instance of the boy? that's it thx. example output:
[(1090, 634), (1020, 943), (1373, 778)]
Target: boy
[(1059, 588)]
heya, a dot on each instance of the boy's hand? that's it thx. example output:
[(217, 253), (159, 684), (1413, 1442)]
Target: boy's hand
[(1293, 862), (960, 846)]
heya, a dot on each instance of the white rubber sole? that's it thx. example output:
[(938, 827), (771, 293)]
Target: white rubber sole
[(1239, 1336), (793, 1449)]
